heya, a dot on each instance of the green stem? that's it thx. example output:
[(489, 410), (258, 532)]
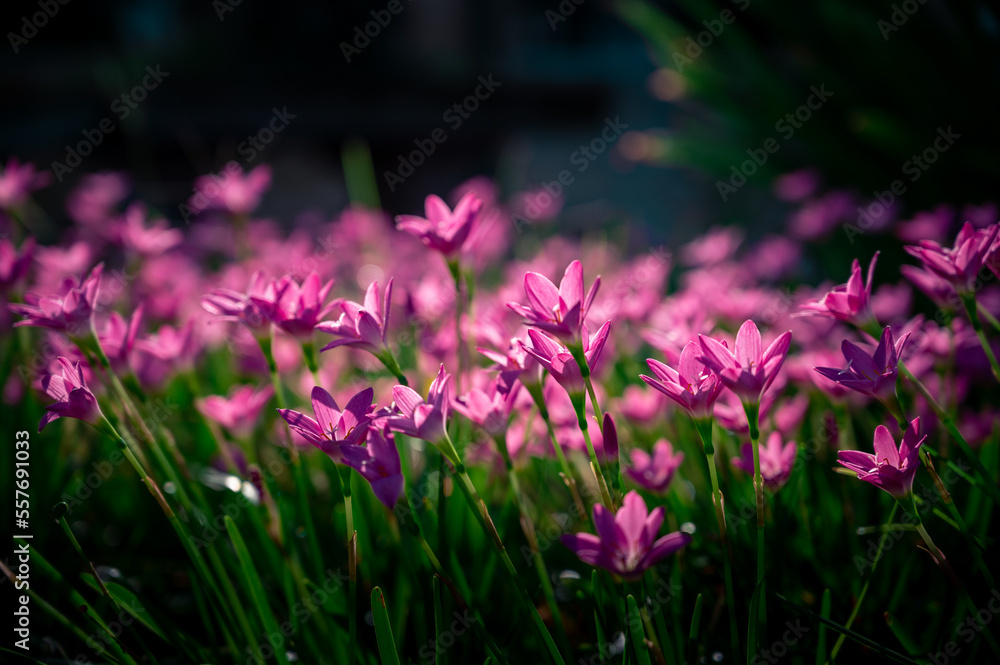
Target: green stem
[(388, 359), (753, 420), (969, 300), (535, 389), (309, 353), (580, 406), (864, 588), (344, 484), (985, 313), (455, 268), (704, 427)]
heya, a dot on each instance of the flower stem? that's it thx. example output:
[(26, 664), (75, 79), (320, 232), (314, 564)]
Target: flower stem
[(309, 353), (985, 313), (969, 300), (391, 364), (704, 427), (482, 515), (864, 588), (753, 419), (455, 268), (535, 389), (579, 405)]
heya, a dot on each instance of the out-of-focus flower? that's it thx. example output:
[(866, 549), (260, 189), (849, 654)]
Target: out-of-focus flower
[(14, 262), (692, 385), (230, 305), (443, 229), (777, 460), (93, 201), (654, 472), (937, 289), (488, 408), (749, 371), (889, 468), (419, 418), (716, 246), (333, 429), (641, 406), (17, 181), (892, 302), (71, 313), (797, 185), (817, 217), (626, 543), (178, 347), (74, 398), (959, 264), (296, 309), (559, 361), (238, 411), (511, 366), (929, 225), (379, 464), (118, 338), (873, 375), (561, 312), (361, 326), (231, 191), (850, 302), (156, 238)]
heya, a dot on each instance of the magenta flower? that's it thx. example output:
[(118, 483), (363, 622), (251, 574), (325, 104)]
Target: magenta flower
[(873, 375), (609, 440), (625, 542), (850, 302), (333, 429), (147, 240), (511, 365), (748, 372), (419, 418), (231, 191), (443, 229), (489, 408), (959, 264), (361, 326), (118, 338), (654, 472), (561, 312), (229, 305), (692, 384), (379, 464), (889, 469), (177, 347), (14, 263), (17, 181), (776, 460), (559, 361), (74, 398), (71, 313), (238, 411), (296, 309)]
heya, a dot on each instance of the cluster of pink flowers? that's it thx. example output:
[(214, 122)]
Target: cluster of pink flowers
[(567, 349)]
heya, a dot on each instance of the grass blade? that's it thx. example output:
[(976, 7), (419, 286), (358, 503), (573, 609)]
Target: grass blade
[(383, 629), (636, 632)]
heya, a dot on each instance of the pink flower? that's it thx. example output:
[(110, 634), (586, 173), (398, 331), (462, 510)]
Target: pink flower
[(229, 305), (849, 302), (14, 263), (959, 264), (559, 361), (361, 326), (488, 408), (93, 201), (118, 338), (776, 460), (716, 246), (17, 181), (625, 542), (443, 229), (561, 312), (71, 313), (692, 385), (177, 347), (239, 410), (296, 309), (873, 375), (413, 416), (511, 366), (748, 372), (74, 398), (889, 469), (146, 241), (654, 472), (333, 429), (231, 191), (379, 464)]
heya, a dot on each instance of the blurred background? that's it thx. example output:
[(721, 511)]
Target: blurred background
[(701, 86)]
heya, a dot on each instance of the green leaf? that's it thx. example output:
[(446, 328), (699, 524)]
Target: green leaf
[(753, 628), (695, 629), (252, 580), (383, 630), (635, 630), (821, 641)]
